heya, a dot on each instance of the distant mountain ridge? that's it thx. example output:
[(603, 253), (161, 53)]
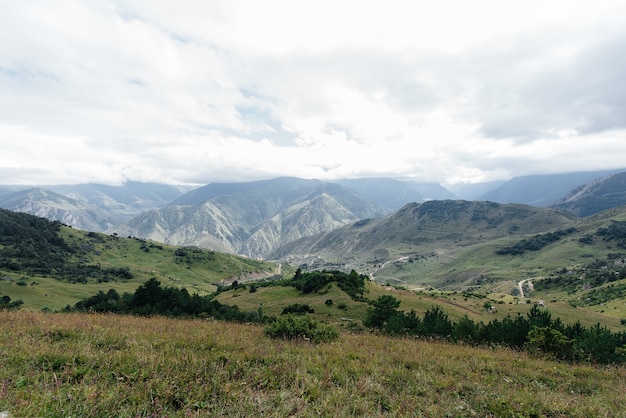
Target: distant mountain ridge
[(92, 207), (541, 190), (255, 218), (252, 218), (594, 197), (393, 194), (50, 205)]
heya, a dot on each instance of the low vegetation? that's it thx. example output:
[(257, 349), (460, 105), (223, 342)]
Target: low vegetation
[(571, 342), (92, 365), (301, 327), (536, 332), (596, 282), (535, 243)]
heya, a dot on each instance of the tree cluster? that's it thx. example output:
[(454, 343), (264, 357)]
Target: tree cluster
[(7, 304), (615, 232), (534, 243), (592, 275), (32, 245), (536, 332), (308, 282), (153, 299)]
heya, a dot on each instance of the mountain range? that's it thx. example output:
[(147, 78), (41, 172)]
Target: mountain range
[(252, 218), (542, 190), (261, 218), (91, 207)]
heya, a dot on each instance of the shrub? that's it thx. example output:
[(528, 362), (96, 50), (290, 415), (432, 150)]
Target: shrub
[(549, 342), (297, 308), (305, 328)]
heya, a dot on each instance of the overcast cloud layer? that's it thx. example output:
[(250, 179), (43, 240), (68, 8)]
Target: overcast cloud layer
[(206, 91)]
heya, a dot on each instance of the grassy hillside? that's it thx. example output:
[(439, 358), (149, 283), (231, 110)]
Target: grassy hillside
[(580, 276), (47, 265), (96, 365), (348, 314), (431, 233), (445, 264)]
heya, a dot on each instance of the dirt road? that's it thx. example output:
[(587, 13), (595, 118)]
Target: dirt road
[(520, 286)]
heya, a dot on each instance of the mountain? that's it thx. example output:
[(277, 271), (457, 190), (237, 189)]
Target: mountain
[(473, 191), (420, 228), (92, 207), (129, 198), (541, 190), (6, 191), (393, 194), (47, 204), (594, 197), (251, 218)]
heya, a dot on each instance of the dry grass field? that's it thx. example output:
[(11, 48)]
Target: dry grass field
[(85, 365)]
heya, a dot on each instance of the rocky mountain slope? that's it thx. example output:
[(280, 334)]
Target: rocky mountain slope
[(50, 205), (252, 218), (92, 207), (596, 196)]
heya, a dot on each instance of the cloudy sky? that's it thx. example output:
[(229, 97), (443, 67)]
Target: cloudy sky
[(204, 91)]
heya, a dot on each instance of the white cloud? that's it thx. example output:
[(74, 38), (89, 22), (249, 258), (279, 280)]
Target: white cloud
[(200, 91)]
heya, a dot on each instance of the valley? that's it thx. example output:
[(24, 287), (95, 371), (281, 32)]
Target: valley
[(486, 270), (312, 209), (440, 248)]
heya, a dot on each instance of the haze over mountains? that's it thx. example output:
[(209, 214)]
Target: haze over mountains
[(252, 218), (92, 207), (257, 218), (541, 190)]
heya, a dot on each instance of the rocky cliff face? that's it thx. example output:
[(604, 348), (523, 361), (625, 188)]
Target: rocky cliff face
[(253, 221)]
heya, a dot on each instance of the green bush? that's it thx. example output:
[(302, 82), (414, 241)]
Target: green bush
[(298, 309), (305, 328), (549, 342)]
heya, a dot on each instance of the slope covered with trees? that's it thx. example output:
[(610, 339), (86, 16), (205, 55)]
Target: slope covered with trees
[(32, 245)]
